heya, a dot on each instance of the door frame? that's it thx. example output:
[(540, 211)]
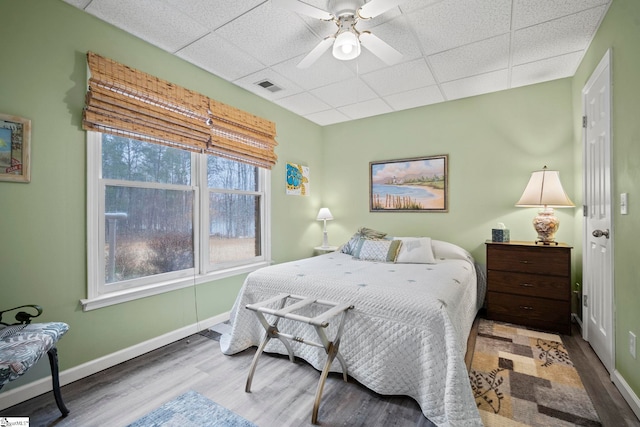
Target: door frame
[(604, 62)]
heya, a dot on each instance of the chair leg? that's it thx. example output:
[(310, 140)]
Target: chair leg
[(53, 361)]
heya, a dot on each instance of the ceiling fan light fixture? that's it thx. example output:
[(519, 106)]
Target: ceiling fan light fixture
[(346, 46)]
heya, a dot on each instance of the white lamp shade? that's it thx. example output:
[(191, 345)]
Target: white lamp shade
[(544, 190), (324, 213), (346, 46)]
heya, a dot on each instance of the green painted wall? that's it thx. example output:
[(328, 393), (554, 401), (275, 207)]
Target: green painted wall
[(43, 227), (493, 142), (620, 31)]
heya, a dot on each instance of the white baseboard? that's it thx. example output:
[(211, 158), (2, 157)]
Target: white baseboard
[(626, 391), (43, 385)]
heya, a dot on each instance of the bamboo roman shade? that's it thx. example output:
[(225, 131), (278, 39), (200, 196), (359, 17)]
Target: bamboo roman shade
[(127, 102)]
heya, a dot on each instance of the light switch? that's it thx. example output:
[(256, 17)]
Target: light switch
[(623, 203)]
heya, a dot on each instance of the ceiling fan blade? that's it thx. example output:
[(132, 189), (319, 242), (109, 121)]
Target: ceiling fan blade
[(304, 9), (377, 7), (382, 50), (317, 52)]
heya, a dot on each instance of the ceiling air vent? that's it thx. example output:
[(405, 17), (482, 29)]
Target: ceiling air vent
[(269, 86)]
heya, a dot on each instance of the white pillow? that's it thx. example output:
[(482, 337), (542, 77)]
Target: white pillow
[(415, 250), (446, 250)]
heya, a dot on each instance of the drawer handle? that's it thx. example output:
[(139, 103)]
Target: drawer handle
[(525, 262), (526, 307), (526, 285)]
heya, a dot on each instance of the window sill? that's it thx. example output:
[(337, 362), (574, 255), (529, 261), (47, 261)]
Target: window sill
[(229, 272), (118, 297)]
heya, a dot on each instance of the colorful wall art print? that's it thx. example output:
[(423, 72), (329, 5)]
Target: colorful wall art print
[(297, 180), (409, 185), (15, 134)]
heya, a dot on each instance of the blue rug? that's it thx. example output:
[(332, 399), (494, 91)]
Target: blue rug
[(192, 409)]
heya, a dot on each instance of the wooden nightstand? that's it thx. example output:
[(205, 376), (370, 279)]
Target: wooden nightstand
[(530, 284)]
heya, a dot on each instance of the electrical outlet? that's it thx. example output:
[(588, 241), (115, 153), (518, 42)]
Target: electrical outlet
[(632, 344)]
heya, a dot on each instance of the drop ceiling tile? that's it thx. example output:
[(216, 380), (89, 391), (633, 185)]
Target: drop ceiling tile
[(400, 78), (302, 104), (476, 85), (413, 5), (545, 70), (454, 23), (369, 108), (397, 34), (288, 88), (415, 98), (365, 63), (319, 27), (213, 14), (569, 34), (207, 53), (369, 24), (268, 35), (328, 117), (527, 12), (344, 93), (324, 71), (152, 21), (462, 42), (472, 59)]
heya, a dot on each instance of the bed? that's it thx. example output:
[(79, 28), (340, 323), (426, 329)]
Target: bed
[(408, 331)]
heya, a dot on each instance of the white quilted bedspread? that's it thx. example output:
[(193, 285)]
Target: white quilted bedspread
[(406, 335)]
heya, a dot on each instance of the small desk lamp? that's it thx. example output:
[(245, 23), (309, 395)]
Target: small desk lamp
[(545, 191), (324, 215)]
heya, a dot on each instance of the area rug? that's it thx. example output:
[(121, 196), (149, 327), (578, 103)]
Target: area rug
[(522, 377), (192, 409)]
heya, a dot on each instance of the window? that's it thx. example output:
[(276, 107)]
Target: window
[(161, 218), (234, 203)]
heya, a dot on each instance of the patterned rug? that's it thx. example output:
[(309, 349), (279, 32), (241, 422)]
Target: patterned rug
[(192, 409), (522, 377)]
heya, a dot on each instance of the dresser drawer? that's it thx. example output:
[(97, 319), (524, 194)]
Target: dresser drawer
[(540, 260), (553, 287), (534, 311)]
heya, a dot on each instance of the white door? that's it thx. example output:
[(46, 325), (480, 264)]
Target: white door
[(598, 327)]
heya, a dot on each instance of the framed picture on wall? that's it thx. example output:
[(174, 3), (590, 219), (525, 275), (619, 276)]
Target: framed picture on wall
[(15, 145), (409, 185), (297, 180)]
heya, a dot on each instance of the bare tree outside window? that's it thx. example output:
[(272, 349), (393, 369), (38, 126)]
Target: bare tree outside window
[(161, 218), (234, 211), (154, 232)]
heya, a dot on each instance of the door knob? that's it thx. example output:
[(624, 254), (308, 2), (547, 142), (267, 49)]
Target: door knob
[(600, 233)]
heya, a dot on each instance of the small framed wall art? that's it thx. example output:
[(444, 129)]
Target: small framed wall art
[(409, 185), (15, 146), (297, 179)]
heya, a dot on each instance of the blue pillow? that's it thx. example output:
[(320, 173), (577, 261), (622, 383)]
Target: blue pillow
[(377, 250)]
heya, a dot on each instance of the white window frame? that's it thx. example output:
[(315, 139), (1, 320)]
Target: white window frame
[(99, 295)]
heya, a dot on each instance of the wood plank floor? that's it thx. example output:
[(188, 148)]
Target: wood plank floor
[(282, 392)]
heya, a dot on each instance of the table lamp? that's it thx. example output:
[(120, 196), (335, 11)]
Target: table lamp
[(545, 191), (324, 215)]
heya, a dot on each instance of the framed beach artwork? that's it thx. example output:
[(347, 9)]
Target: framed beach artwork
[(15, 137), (409, 185)]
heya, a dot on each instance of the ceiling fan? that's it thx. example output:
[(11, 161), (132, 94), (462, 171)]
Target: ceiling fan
[(347, 39)]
